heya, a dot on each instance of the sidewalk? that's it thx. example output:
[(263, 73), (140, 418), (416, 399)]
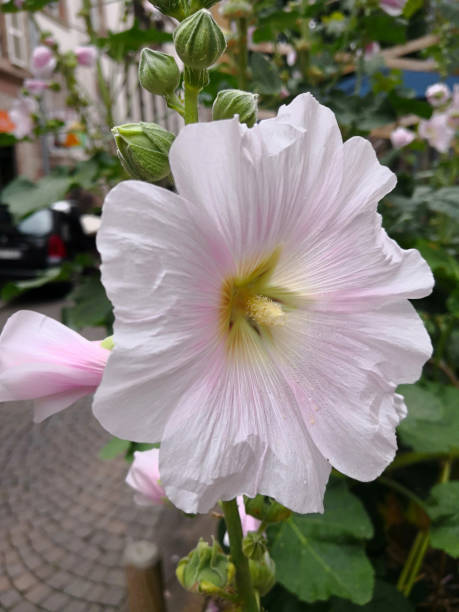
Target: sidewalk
[(66, 516)]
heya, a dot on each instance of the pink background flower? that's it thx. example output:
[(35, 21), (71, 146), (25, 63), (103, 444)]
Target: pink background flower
[(401, 137), (46, 361), (144, 478), (86, 56), (43, 62)]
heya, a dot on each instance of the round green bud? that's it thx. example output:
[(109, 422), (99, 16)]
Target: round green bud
[(263, 574), (237, 9), (205, 569), (230, 102), (143, 149), (254, 545), (158, 72), (199, 41), (266, 509)]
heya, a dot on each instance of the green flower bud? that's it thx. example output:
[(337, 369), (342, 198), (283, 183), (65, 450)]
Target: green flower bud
[(143, 149), (199, 41), (174, 8), (266, 509), (254, 545), (108, 343), (206, 569), (237, 9), (263, 574), (158, 72), (230, 102)]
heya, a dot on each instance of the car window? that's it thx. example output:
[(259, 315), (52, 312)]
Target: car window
[(38, 224)]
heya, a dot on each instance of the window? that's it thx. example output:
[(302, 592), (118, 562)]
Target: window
[(39, 223), (16, 38)]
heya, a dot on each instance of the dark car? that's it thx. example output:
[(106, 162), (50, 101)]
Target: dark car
[(41, 241)]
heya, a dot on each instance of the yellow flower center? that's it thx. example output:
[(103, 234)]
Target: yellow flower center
[(251, 306)]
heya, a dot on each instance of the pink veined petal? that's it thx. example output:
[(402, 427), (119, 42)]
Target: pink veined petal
[(41, 358), (239, 431), (343, 369)]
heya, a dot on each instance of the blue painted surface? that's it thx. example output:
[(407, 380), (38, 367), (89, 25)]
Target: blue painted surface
[(419, 81)]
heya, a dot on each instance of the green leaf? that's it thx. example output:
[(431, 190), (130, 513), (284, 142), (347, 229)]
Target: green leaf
[(383, 28), (91, 306), (29, 5), (14, 289), (446, 201), (119, 44), (114, 448), (412, 7), (318, 556), (24, 197), (265, 77), (410, 105), (438, 259), (443, 509), (433, 418)]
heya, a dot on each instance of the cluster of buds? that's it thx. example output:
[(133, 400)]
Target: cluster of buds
[(199, 42)]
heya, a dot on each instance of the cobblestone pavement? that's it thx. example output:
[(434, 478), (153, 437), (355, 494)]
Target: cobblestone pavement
[(66, 516)]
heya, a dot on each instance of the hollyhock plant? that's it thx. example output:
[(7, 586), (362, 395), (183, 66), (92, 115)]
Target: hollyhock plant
[(43, 62), (143, 477), (401, 137), (86, 55), (437, 131), (392, 7), (262, 322), (438, 94), (43, 360)]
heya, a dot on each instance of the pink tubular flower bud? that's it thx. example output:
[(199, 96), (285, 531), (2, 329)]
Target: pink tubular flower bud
[(143, 477), (86, 55), (392, 7), (438, 94), (401, 137), (35, 86), (43, 62)]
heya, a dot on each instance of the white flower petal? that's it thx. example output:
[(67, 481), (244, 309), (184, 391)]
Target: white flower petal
[(218, 445)]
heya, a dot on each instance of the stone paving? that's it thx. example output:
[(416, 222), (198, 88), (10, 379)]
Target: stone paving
[(66, 516)]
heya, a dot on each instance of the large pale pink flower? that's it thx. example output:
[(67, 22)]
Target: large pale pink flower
[(437, 131), (46, 361), (144, 478), (262, 321), (438, 94)]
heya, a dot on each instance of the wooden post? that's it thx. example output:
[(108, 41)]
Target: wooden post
[(144, 577)]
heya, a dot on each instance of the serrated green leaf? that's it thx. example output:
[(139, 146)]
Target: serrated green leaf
[(438, 259), (412, 7), (383, 28), (91, 306), (318, 556), (443, 509), (114, 448), (433, 418)]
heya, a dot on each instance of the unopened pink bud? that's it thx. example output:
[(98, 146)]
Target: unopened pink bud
[(143, 477), (371, 50), (35, 86), (392, 7), (438, 94), (86, 56), (43, 62), (401, 137)]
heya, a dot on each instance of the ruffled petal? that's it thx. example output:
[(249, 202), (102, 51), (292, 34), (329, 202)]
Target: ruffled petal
[(240, 431), (41, 358), (344, 369)]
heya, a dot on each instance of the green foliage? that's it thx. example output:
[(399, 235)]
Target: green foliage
[(329, 556), (114, 448), (443, 509), (119, 44), (433, 418), (266, 79), (91, 306), (14, 289), (24, 196)]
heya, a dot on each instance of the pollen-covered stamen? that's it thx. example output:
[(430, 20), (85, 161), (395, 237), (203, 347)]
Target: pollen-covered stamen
[(264, 311)]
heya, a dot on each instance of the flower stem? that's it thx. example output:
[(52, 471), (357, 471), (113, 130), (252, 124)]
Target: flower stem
[(191, 103), (243, 580), (242, 52)]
